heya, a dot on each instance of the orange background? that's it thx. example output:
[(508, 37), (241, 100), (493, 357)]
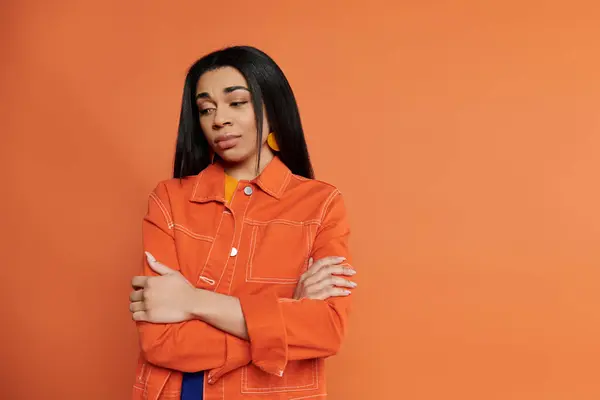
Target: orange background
[(465, 136)]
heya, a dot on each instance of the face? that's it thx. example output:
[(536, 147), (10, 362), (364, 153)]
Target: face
[(227, 115)]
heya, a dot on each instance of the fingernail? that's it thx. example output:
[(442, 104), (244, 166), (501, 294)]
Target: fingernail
[(351, 272), (150, 257), (340, 258), (353, 284), (347, 292)]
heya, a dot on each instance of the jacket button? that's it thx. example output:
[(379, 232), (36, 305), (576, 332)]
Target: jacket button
[(248, 190), (233, 252)]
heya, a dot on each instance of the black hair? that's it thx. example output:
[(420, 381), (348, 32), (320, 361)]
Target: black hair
[(269, 86)]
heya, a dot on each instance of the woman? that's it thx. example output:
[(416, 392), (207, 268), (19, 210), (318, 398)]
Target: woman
[(231, 305)]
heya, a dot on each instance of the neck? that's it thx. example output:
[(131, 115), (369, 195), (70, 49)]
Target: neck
[(246, 170)]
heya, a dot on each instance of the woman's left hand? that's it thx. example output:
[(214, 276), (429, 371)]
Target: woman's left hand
[(167, 298)]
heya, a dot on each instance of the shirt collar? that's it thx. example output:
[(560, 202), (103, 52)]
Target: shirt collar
[(210, 183)]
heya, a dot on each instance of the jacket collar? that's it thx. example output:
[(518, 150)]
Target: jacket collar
[(210, 183)]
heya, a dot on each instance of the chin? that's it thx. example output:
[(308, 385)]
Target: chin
[(234, 156)]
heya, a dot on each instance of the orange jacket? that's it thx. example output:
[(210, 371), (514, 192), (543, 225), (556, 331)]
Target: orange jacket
[(254, 248)]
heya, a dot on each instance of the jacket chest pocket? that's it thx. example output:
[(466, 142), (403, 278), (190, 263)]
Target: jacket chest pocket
[(277, 251)]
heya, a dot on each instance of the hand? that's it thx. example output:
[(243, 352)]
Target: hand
[(166, 298), (320, 282)]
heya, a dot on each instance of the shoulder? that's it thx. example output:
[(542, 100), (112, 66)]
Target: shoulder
[(174, 188), (313, 185), (321, 194)]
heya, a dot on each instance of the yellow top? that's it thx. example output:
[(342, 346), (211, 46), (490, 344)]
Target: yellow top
[(230, 185)]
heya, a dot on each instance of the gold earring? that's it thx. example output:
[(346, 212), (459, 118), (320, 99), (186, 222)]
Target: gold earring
[(272, 142)]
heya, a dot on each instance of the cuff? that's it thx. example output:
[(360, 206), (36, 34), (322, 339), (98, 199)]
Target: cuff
[(266, 331), (237, 356)]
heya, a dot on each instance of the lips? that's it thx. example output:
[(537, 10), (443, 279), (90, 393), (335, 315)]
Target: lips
[(228, 141)]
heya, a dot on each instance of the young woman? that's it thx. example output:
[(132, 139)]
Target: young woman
[(231, 305)]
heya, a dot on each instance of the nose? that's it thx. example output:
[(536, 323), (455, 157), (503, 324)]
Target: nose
[(221, 118)]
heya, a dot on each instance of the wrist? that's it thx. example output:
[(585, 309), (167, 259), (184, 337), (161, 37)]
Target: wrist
[(198, 303)]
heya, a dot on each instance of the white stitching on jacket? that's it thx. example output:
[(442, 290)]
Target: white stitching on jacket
[(211, 249), (282, 389), (326, 205), (232, 240), (207, 280), (283, 221), (172, 225), (191, 234), (163, 208), (309, 397), (238, 245)]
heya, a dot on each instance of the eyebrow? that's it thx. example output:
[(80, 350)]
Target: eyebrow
[(229, 89)]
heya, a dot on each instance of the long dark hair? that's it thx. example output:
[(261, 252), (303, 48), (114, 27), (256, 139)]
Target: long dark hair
[(269, 86)]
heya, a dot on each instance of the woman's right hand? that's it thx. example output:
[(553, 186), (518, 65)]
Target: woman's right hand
[(322, 280)]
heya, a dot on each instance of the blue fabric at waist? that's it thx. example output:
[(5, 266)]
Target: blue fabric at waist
[(192, 386)]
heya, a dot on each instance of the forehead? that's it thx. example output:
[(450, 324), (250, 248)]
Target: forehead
[(213, 82)]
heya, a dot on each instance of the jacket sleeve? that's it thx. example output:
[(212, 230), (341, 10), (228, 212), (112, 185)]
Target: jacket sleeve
[(192, 345), (283, 329)]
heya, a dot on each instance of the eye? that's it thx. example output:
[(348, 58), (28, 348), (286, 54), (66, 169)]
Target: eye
[(238, 103), (206, 111)]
